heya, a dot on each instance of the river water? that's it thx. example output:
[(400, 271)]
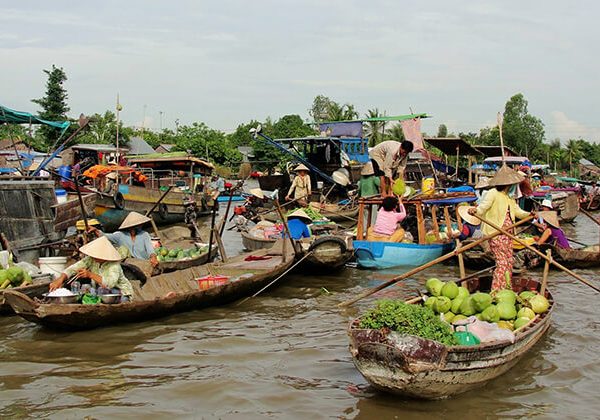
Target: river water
[(284, 354)]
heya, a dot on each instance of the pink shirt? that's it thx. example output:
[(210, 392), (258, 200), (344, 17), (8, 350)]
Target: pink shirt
[(387, 220)]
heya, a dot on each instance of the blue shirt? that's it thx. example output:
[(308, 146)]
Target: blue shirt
[(298, 229), (141, 248)]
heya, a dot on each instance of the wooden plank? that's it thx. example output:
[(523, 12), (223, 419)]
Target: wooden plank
[(436, 226), (448, 222), (359, 227), (420, 223), (458, 219)]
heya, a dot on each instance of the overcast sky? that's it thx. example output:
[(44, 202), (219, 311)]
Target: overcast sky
[(227, 62)]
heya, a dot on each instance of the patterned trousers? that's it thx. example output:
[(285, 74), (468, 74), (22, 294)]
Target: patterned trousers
[(501, 247)]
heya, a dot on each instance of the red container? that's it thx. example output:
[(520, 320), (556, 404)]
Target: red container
[(207, 282)]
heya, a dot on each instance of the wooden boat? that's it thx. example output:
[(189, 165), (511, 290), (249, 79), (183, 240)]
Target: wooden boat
[(30, 214), (164, 294), (253, 243), (564, 200), (416, 367), (344, 216), (381, 255), (39, 286), (571, 258)]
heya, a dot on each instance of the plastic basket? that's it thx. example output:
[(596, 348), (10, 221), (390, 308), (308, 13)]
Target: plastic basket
[(208, 282)]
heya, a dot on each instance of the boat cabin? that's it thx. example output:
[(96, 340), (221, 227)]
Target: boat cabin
[(435, 207)]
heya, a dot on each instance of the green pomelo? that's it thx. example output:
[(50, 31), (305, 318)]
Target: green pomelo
[(526, 313), (463, 292), (506, 325), (467, 307), (506, 296), (481, 301), (520, 322), (458, 317), (3, 276), (527, 294), (539, 304), (430, 301), (434, 286), (456, 302), (449, 317), (450, 290), (506, 310), (490, 314), (442, 304)]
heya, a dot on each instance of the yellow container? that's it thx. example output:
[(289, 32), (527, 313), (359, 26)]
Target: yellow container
[(427, 186)]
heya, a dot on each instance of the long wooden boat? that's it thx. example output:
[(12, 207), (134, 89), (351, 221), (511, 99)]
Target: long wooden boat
[(571, 258), (39, 286), (381, 255), (345, 216), (564, 200), (328, 252), (164, 294), (416, 367)]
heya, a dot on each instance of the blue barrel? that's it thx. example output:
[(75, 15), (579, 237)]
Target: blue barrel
[(65, 172)]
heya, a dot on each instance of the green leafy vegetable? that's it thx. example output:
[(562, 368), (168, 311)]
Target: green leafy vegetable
[(408, 319)]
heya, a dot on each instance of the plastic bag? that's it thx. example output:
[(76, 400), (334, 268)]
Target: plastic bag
[(30, 268), (486, 331)]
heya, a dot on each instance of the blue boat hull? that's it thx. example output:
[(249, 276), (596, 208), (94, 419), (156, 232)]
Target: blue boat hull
[(380, 255)]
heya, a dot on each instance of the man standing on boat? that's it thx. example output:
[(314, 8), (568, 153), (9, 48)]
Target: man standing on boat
[(389, 159)]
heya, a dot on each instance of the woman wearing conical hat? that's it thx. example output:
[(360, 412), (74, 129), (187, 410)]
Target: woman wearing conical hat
[(300, 186), (131, 239), (552, 233), (500, 208), (102, 265)]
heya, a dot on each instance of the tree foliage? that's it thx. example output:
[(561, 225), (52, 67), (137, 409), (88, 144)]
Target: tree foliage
[(54, 105), (374, 130), (442, 131), (102, 129)]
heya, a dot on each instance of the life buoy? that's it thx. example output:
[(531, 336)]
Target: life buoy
[(163, 211), (119, 200)]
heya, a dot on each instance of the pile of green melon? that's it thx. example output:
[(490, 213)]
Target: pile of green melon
[(504, 307), (179, 254), (14, 276)]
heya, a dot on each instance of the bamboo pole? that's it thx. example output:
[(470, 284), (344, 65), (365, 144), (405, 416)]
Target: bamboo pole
[(546, 270), (461, 262), (427, 265), (550, 260)]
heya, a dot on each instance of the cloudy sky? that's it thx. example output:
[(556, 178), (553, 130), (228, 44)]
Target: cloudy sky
[(229, 61)]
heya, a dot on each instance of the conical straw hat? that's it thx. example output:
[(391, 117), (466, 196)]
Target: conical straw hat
[(483, 182), (550, 217), (301, 167), (506, 176), (134, 219), (463, 211), (257, 192), (101, 249), (301, 214), (367, 169)]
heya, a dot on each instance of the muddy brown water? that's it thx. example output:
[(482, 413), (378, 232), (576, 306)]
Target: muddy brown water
[(284, 354)]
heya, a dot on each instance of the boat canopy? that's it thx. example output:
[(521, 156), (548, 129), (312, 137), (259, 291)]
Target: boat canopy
[(451, 145), (10, 116)]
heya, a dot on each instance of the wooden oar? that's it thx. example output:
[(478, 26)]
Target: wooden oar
[(591, 216), (550, 260), (429, 264), (149, 212)]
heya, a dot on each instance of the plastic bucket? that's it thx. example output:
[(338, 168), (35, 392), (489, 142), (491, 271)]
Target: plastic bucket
[(52, 265), (61, 195), (427, 186)]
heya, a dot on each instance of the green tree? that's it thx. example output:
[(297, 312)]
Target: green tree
[(572, 151), (54, 105), (442, 131), (102, 129), (319, 110), (374, 130), (522, 131), (290, 126), (395, 132), (204, 142)]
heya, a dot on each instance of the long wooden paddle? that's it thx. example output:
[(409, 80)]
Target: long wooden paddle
[(429, 264), (550, 260), (591, 216)]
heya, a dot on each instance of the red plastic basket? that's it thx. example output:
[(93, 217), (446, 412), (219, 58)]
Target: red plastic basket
[(207, 282)]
